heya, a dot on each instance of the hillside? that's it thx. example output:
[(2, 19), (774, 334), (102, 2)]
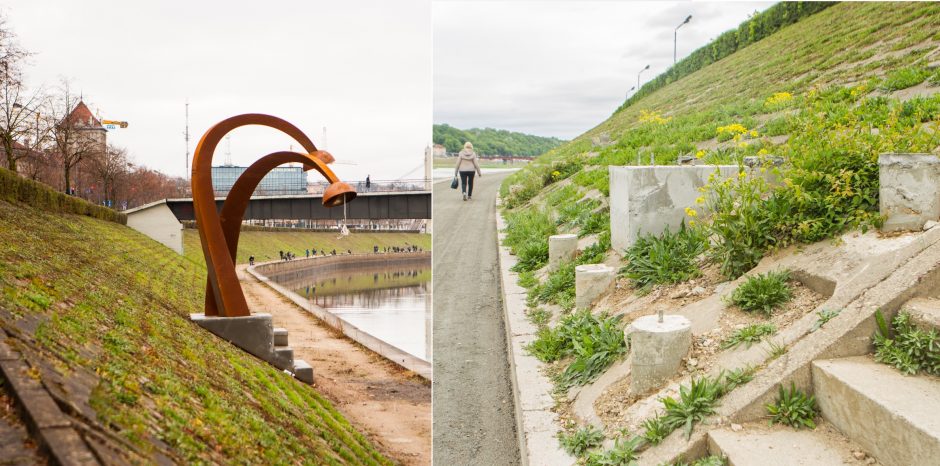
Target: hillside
[(812, 106), (265, 245), (100, 313), (489, 141), (869, 49)]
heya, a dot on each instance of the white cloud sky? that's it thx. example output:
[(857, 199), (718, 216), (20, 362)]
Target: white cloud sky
[(559, 68), (360, 68)]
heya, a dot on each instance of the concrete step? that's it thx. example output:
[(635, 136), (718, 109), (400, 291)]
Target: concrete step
[(283, 357), (303, 372), (894, 417), (280, 336), (760, 445), (925, 312)]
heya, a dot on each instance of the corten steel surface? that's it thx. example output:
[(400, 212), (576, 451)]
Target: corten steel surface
[(220, 266), (233, 209)]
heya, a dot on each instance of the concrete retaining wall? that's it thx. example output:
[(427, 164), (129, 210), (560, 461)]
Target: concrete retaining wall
[(909, 192), (390, 352), (647, 200), (318, 263)]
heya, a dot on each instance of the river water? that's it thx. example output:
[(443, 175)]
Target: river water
[(390, 302)]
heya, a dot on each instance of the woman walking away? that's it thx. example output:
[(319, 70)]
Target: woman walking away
[(466, 167)]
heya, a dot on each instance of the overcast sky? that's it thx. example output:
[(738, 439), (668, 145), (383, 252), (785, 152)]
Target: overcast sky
[(360, 68), (557, 68)]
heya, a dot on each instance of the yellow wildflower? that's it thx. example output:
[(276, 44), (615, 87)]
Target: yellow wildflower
[(762, 152), (742, 175), (700, 154), (690, 212), (691, 223), (753, 133), (778, 99), (734, 129), (700, 200)]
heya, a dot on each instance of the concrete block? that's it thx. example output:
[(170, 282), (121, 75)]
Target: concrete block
[(766, 447), (561, 248), (303, 371), (280, 336), (283, 357), (590, 282), (657, 350), (67, 446), (925, 312), (254, 333), (909, 193), (649, 199), (890, 415)]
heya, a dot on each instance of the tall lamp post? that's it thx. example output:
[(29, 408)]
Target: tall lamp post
[(675, 38), (631, 90), (638, 77)]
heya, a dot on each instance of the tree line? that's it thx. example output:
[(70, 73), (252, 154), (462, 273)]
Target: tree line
[(40, 142), (757, 27), (489, 141)]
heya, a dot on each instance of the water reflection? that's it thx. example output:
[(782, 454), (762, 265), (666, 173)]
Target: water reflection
[(391, 302)]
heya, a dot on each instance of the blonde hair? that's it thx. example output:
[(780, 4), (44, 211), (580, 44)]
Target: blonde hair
[(467, 145)]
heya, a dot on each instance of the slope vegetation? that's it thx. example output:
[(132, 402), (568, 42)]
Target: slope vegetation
[(100, 312)]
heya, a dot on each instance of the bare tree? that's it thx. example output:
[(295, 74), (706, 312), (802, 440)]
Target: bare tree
[(110, 167), (72, 142), (21, 127), (11, 54)]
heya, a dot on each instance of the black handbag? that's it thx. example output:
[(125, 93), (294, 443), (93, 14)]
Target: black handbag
[(454, 184)]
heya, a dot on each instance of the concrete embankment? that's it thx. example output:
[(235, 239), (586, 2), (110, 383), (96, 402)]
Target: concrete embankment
[(321, 264)]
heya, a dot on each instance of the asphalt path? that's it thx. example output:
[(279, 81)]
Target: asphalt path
[(473, 414)]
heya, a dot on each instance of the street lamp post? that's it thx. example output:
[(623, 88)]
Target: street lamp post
[(675, 38), (631, 90), (638, 77)]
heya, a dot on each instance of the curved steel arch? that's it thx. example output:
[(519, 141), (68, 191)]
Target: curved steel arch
[(236, 203), (228, 297)]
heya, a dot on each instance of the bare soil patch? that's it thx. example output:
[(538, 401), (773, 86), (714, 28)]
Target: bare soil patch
[(392, 406)]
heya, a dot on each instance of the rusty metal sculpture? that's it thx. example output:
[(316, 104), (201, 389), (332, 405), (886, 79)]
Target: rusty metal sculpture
[(219, 233)]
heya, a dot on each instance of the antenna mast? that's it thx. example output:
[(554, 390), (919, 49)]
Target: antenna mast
[(228, 150), (186, 134)]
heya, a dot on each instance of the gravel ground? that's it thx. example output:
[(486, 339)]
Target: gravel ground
[(474, 421)]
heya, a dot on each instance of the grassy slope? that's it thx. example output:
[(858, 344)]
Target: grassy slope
[(264, 245), (110, 303), (843, 45)]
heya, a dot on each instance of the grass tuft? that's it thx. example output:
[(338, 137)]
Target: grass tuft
[(763, 292)]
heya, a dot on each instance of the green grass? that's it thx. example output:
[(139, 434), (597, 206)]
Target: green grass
[(527, 233), (593, 343), (623, 453), (905, 78), (763, 292), (748, 335), (108, 302), (793, 408), (264, 245)]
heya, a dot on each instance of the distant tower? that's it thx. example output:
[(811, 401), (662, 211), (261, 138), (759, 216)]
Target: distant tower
[(89, 130)]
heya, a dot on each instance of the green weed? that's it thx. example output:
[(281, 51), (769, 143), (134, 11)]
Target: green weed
[(667, 258), (906, 347), (748, 335), (581, 441), (793, 408), (623, 453), (763, 292)]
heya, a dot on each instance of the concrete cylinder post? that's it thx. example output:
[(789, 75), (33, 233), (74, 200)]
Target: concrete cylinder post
[(590, 282), (657, 349), (561, 248)]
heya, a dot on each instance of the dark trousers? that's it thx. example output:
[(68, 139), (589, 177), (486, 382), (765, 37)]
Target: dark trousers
[(466, 182)]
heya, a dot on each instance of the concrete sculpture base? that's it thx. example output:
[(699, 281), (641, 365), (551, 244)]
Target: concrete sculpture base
[(256, 335)]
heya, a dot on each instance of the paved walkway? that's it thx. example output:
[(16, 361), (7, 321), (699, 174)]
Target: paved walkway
[(473, 407)]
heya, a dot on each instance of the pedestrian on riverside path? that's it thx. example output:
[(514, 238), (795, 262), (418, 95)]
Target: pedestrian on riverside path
[(308, 254), (251, 260), (282, 254), (466, 167)]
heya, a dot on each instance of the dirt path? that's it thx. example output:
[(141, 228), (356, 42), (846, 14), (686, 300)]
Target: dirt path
[(388, 404), (474, 421)]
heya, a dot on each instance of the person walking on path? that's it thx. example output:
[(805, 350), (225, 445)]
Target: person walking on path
[(467, 166)]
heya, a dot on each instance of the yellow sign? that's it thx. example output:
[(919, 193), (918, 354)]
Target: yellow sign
[(121, 124)]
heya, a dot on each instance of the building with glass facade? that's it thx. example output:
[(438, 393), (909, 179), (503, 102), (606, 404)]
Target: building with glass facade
[(280, 181)]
